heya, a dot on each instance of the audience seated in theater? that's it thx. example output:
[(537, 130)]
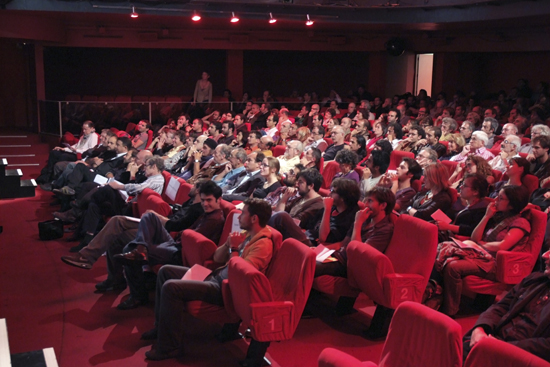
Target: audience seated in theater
[(311, 158), (109, 160), (540, 166), (198, 157), (358, 145), (414, 142), (508, 149), (347, 161), (434, 194), (193, 144), (172, 293), (154, 245), (176, 153), (473, 164), (376, 165), (517, 169), (269, 170), (87, 141), (536, 130), (502, 228), (337, 135), (291, 156), (334, 222), (316, 140), (248, 181), (120, 230), (292, 215), (506, 320), (162, 143), (379, 129), (228, 132), (475, 147), (372, 226), (400, 182), (232, 171), (448, 127), (216, 165)]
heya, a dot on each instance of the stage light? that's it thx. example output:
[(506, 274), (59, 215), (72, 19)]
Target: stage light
[(271, 19), (309, 21), (234, 19), (134, 14), (196, 17)]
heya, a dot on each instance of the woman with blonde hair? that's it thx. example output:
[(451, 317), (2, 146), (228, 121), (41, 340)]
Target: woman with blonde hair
[(456, 144), (302, 134), (269, 169), (434, 195)]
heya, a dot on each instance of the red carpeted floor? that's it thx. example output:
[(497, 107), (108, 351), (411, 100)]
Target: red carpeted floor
[(49, 304)]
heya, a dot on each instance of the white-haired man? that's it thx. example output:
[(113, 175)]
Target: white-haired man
[(291, 157), (536, 130), (476, 147), (508, 149)]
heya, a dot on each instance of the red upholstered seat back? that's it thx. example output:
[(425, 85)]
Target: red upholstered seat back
[(451, 166), (413, 246), (278, 150), (331, 169), (396, 157), (149, 199), (227, 207), (531, 182), (196, 248)]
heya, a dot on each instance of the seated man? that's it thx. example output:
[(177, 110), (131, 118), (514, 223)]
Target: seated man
[(414, 142), (87, 141), (291, 156), (338, 135), (476, 147), (121, 230), (377, 164), (520, 318), (215, 166), (291, 216), (233, 170), (139, 141), (400, 182), (249, 181), (198, 158), (172, 292), (508, 149), (154, 244), (372, 226)]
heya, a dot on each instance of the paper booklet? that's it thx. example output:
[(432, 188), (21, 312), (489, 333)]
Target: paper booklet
[(235, 226), (172, 188), (102, 180), (441, 217), (322, 253), (197, 272), (474, 246)]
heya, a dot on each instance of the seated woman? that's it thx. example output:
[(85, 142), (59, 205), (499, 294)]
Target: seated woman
[(241, 139), (434, 195), (379, 130), (358, 144), (269, 169), (472, 193), (473, 164), (517, 168), (330, 125), (395, 134), (456, 144), (347, 160), (502, 228)]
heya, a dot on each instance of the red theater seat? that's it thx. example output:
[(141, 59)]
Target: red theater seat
[(492, 352)]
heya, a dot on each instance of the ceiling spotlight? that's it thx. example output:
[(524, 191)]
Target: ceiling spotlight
[(234, 19), (271, 19), (133, 14), (196, 17), (309, 21)]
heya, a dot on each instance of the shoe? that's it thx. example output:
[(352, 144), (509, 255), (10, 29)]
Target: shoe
[(133, 257), (66, 217), (46, 186), (156, 355), (131, 303), (150, 335), (65, 190), (108, 285), (77, 260)]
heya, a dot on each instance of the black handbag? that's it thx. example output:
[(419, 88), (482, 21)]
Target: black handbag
[(50, 229)]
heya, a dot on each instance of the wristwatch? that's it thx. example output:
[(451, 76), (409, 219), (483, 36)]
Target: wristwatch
[(197, 161)]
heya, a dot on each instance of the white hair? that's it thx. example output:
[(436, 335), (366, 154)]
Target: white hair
[(482, 136)]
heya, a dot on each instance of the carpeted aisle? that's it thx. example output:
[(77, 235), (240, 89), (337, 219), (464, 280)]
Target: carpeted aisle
[(50, 304)]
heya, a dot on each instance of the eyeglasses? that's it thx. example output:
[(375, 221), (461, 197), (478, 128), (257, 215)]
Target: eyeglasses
[(264, 165)]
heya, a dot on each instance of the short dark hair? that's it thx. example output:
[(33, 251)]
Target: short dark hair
[(312, 177), (543, 140), (420, 131), (126, 142), (259, 208), (211, 188), (321, 130), (397, 129), (479, 183), (414, 168), (436, 130), (346, 156), (381, 159), (522, 162), (156, 161), (397, 112), (384, 145), (256, 133), (259, 157), (89, 123), (181, 134), (383, 195), (348, 190), (230, 125), (217, 126)]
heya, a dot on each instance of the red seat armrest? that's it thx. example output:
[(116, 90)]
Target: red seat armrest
[(512, 266), (272, 321), (403, 287)]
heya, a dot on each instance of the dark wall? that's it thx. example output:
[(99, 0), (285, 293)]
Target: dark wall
[(142, 72), (285, 71)]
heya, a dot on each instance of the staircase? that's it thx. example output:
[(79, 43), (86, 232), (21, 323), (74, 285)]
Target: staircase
[(37, 358), (18, 154)]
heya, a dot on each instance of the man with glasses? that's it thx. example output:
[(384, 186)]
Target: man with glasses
[(291, 156), (476, 147), (338, 136), (426, 157), (507, 129), (536, 130), (316, 139), (466, 130), (508, 149)]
